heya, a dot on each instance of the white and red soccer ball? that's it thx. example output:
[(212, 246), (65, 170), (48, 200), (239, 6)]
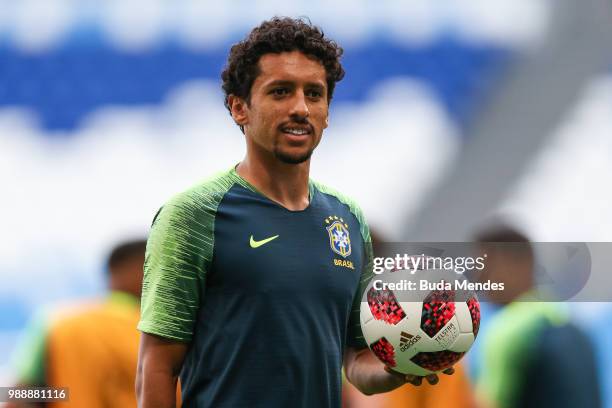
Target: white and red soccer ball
[(418, 337)]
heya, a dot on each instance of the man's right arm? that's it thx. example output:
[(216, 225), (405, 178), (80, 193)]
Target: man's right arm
[(159, 364), (179, 251)]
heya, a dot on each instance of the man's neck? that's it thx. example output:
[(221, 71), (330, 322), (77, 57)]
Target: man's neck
[(286, 184)]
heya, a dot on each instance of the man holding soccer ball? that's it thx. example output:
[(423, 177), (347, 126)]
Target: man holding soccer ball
[(253, 279)]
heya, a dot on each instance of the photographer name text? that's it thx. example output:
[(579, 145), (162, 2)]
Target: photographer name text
[(424, 284)]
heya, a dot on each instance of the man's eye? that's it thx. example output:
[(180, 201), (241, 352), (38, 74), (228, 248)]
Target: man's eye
[(314, 94), (279, 91)]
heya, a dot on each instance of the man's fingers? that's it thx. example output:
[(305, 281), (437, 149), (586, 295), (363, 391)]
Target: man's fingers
[(432, 379), (414, 380), (394, 373)]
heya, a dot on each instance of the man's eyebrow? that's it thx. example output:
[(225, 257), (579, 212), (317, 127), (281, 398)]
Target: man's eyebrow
[(315, 85), (279, 82), (283, 82)]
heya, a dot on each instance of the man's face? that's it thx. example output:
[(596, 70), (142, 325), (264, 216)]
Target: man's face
[(127, 276), (510, 263), (288, 108)]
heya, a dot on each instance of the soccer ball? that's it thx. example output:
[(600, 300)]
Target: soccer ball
[(423, 330)]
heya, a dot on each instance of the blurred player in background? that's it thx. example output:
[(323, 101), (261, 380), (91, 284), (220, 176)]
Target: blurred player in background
[(534, 356), (91, 347), (253, 279)]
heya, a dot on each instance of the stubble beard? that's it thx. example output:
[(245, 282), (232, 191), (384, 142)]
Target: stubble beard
[(289, 158), (292, 158), (298, 158)]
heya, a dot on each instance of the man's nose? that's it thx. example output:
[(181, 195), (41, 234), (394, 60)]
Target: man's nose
[(299, 107)]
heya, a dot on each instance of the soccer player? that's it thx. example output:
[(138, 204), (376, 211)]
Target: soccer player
[(534, 355), (91, 347), (253, 279)]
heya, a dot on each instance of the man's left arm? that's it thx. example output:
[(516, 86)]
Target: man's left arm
[(370, 376), (361, 367), (367, 373)]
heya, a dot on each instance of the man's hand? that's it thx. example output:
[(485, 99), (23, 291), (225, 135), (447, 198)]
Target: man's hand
[(416, 380), (370, 376)]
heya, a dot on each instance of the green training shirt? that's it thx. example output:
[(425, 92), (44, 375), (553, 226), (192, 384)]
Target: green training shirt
[(267, 298)]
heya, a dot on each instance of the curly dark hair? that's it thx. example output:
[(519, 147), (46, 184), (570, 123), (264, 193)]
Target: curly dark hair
[(280, 34)]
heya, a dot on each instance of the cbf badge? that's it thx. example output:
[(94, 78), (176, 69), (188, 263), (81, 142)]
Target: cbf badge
[(339, 239)]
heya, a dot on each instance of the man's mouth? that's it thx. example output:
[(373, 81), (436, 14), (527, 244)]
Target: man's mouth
[(296, 130)]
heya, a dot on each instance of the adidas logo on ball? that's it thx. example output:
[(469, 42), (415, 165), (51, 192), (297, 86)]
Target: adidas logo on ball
[(408, 340)]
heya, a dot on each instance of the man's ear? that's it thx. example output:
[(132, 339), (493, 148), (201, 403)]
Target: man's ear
[(238, 108)]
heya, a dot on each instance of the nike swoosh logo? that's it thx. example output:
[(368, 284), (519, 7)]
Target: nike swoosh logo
[(257, 244)]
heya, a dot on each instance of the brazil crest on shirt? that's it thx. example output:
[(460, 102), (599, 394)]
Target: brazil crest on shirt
[(339, 238)]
